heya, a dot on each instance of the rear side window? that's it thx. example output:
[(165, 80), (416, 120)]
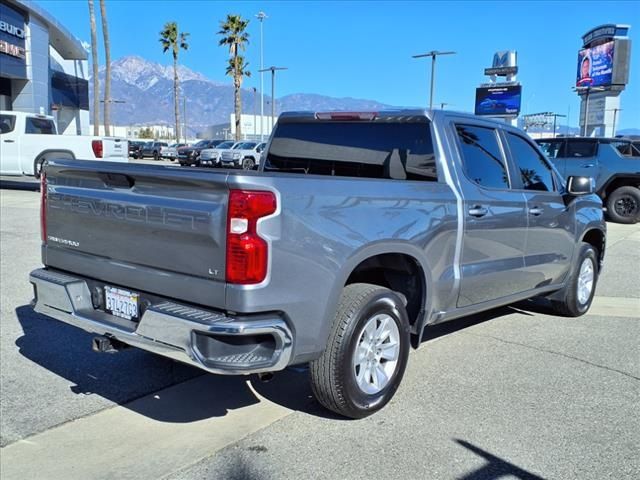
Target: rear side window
[(534, 171), (397, 151), (7, 123), (581, 148), (481, 156), (551, 148), (42, 126)]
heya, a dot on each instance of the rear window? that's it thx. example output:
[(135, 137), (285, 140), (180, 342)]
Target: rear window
[(41, 126), (397, 151)]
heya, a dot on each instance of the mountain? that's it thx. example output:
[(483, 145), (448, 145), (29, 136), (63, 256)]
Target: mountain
[(146, 90)]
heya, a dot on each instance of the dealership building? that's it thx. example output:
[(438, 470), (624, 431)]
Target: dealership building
[(43, 67)]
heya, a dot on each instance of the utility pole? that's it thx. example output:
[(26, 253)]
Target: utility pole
[(273, 90), (261, 16), (433, 54)]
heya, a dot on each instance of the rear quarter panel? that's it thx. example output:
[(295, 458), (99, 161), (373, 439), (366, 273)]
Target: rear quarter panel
[(326, 226)]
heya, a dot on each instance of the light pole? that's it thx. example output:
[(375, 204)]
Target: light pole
[(273, 90), (555, 116), (111, 102), (261, 16), (433, 54), (184, 115), (255, 109)]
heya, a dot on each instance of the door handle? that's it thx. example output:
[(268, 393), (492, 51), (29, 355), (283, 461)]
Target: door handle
[(587, 165), (9, 141), (535, 211), (478, 211)]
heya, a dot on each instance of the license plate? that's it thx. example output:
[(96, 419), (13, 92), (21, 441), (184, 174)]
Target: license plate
[(121, 303)]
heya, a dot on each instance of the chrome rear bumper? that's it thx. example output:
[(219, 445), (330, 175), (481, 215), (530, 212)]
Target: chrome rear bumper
[(206, 339)]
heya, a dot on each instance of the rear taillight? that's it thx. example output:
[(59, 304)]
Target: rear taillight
[(247, 252), (43, 207), (97, 148)]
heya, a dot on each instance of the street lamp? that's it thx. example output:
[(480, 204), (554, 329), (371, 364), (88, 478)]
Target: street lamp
[(261, 16), (433, 54), (615, 114), (587, 90), (555, 116), (111, 102), (273, 88)]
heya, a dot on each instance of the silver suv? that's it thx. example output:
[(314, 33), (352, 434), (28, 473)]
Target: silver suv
[(245, 155)]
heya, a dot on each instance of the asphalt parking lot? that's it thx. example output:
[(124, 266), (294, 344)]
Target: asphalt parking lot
[(513, 393)]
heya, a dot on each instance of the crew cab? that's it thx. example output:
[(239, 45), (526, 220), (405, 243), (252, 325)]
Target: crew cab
[(358, 232), (27, 140), (152, 149), (245, 155), (614, 164)]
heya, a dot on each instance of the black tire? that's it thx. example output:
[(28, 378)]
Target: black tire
[(333, 376), (37, 167), (248, 163), (156, 156), (566, 302), (623, 205)]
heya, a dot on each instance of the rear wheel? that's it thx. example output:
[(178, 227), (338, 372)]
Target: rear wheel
[(576, 297), (623, 205), (156, 156), (366, 354)]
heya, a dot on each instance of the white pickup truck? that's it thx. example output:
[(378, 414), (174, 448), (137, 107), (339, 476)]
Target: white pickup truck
[(28, 139)]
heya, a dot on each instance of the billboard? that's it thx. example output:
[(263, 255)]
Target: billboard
[(499, 100), (595, 66)]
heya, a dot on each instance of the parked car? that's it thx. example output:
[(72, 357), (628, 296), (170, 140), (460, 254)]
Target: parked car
[(170, 152), (134, 148), (210, 157), (27, 140), (358, 232), (191, 155), (152, 149), (245, 155), (614, 164)]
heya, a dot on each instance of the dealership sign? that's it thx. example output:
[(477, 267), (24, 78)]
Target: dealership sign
[(11, 29), (504, 64), (12, 42), (11, 49)]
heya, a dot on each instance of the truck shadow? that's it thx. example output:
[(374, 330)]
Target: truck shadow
[(495, 467), (131, 374)]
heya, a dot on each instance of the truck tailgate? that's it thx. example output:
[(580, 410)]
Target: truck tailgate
[(115, 149), (156, 229)]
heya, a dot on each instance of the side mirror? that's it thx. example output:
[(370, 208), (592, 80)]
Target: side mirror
[(580, 185)]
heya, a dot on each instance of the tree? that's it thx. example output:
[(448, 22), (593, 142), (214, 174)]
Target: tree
[(96, 80), (234, 34), (107, 73), (172, 39)]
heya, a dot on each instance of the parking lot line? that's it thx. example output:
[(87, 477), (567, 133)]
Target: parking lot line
[(147, 438), (616, 307)]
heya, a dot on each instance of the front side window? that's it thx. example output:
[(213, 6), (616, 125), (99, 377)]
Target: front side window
[(7, 123), (41, 126), (534, 171), (481, 156)]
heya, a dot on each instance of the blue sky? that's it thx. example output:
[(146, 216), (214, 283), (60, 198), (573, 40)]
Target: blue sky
[(363, 49)]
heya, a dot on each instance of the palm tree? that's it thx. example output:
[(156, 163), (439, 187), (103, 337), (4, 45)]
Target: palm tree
[(107, 73), (96, 80), (171, 38), (234, 34)]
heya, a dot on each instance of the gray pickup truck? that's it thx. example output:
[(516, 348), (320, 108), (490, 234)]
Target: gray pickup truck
[(614, 164), (359, 231)]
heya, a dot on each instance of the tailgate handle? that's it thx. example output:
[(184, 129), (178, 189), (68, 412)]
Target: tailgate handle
[(117, 180)]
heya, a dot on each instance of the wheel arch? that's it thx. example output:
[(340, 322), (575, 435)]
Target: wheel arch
[(397, 266), (49, 152), (617, 181), (597, 239)]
